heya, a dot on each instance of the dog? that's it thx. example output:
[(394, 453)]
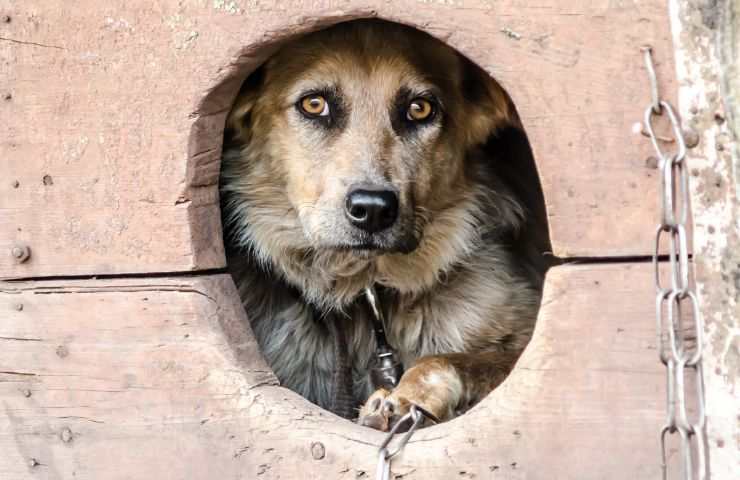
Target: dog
[(370, 154)]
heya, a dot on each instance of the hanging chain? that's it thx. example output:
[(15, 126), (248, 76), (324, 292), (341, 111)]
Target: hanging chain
[(679, 323), (416, 416)]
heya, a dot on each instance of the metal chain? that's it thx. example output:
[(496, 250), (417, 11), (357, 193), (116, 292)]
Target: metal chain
[(385, 455), (679, 328)]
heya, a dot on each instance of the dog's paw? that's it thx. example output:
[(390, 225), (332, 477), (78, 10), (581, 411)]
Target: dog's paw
[(432, 384), (383, 410)]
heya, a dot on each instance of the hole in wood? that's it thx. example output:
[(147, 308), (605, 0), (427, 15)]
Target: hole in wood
[(377, 115)]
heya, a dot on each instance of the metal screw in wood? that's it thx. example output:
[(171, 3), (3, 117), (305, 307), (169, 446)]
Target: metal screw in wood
[(20, 253)]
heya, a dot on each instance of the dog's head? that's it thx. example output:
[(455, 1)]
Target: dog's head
[(355, 138)]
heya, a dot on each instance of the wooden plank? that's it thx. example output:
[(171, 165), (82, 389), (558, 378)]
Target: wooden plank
[(159, 378), (113, 116)]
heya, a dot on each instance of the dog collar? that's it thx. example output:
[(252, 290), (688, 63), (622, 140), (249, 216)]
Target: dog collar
[(385, 370)]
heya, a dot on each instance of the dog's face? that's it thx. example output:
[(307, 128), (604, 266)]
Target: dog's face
[(364, 128)]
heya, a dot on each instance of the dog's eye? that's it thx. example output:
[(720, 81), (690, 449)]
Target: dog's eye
[(314, 106), (420, 109)]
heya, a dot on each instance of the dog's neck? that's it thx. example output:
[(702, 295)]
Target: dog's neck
[(328, 279)]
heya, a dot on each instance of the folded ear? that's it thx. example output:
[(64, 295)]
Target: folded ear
[(239, 119), (490, 109)]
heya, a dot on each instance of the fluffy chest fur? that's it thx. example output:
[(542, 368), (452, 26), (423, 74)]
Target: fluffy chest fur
[(485, 305)]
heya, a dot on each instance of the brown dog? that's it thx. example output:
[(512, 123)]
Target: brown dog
[(362, 155)]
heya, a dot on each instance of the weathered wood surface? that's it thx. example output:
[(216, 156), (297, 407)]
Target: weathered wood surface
[(112, 116), (157, 378), (708, 48)]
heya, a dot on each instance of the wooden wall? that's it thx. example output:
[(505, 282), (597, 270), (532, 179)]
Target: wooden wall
[(111, 146), (158, 378), (112, 115)]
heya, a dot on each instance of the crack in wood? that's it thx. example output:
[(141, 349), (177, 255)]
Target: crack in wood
[(199, 114), (204, 152), (21, 42), (77, 417), (205, 273), (273, 382), (112, 289)]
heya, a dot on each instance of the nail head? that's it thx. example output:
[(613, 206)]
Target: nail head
[(691, 138), (21, 253)]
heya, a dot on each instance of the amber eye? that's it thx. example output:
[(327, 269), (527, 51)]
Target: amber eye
[(420, 109), (314, 106)]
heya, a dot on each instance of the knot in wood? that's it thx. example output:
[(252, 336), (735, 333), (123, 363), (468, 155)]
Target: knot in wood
[(318, 451), (62, 351), (651, 162), (66, 435)]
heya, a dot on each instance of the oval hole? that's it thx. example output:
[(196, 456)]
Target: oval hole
[(285, 179)]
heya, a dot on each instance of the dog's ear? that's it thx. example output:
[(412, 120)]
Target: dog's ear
[(239, 119), (489, 108)]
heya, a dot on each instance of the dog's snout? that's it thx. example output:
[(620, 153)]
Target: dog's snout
[(370, 209)]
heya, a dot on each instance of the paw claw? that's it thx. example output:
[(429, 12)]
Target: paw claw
[(382, 410), (375, 421)]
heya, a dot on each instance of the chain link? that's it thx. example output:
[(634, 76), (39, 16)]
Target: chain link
[(416, 415), (680, 330)]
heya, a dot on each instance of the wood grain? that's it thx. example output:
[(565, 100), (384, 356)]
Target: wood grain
[(112, 117), (160, 378)]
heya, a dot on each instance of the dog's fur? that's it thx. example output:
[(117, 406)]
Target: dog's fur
[(459, 272)]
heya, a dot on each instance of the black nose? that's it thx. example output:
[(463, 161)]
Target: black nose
[(371, 210)]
